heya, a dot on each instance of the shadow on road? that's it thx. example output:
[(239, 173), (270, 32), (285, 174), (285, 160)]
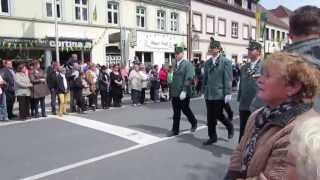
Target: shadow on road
[(215, 149), (150, 129)]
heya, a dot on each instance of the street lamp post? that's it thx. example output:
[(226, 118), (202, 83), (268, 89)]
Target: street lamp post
[(56, 31)]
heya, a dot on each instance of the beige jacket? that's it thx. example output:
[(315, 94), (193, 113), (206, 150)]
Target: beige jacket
[(22, 84), (270, 157), (135, 80)]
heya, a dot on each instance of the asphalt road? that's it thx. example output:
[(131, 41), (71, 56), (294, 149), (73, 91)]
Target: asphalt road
[(116, 144)]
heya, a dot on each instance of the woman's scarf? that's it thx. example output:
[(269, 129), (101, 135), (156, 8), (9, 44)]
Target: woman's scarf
[(279, 116)]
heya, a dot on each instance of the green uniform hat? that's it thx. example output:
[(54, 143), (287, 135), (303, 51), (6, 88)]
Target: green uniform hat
[(254, 45), (214, 44), (179, 49)]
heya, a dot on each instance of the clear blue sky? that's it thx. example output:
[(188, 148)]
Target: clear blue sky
[(291, 4)]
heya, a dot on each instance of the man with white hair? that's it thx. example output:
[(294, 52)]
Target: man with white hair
[(303, 156)]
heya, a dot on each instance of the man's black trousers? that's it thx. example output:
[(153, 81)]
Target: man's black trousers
[(183, 106)]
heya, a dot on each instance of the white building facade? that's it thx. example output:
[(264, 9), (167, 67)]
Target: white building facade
[(233, 23), (230, 22), (104, 31), (276, 38), (152, 28)]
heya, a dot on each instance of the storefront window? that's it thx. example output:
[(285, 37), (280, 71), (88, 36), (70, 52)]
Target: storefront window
[(25, 49), (169, 58), (145, 57), (113, 55)]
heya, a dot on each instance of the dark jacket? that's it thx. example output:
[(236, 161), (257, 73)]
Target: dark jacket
[(182, 78), (60, 86), (310, 48), (39, 88), (51, 78), (155, 80), (9, 78), (217, 78), (248, 86), (104, 82)]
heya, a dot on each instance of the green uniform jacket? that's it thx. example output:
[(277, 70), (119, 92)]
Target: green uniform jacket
[(217, 78), (182, 77), (248, 88)]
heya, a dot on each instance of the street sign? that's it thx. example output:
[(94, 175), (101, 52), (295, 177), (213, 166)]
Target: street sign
[(133, 38)]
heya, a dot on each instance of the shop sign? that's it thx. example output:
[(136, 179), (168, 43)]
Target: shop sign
[(114, 37), (113, 58), (133, 38), (159, 44), (22, 43), (63, 44), (164, 42), (71, 44)]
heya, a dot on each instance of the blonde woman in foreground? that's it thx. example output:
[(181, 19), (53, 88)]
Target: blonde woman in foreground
[(287, 86)]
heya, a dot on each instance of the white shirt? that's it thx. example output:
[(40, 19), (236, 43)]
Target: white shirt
[(214, 58), (253, 64), (65, 84), (179, 62)]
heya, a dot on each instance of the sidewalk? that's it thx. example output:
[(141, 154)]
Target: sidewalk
[(125, 100)]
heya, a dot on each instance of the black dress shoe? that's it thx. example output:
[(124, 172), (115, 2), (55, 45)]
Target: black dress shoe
[(209, 142), (173, 134), (230, 117), (194, 128), (230, 132)]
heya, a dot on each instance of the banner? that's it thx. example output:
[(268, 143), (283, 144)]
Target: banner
[(95, 14), (261, 20), (258, 23)]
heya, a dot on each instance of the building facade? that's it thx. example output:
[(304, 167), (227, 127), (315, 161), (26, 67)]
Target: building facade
[(104, 31), (231, 22), (276, 32), (152, 28)]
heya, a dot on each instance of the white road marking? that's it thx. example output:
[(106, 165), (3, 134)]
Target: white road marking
[(8, 123), (102, 157), (126, 133)]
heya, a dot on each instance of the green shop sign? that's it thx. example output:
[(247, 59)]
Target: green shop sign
[(64, 44)]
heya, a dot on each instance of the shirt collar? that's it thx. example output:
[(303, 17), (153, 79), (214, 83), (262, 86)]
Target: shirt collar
[(179, 62), (214, 59), (253, 64)]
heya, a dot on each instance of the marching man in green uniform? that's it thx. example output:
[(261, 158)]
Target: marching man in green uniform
[(217, 90), (248, 102), (180, 90)]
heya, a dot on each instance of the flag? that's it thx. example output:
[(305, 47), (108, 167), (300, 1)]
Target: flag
[(95, 15), (261, 20), (258, 25)]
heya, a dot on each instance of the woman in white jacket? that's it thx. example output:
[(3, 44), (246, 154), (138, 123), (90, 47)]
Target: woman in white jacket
[(135, 81), (145, 81)]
